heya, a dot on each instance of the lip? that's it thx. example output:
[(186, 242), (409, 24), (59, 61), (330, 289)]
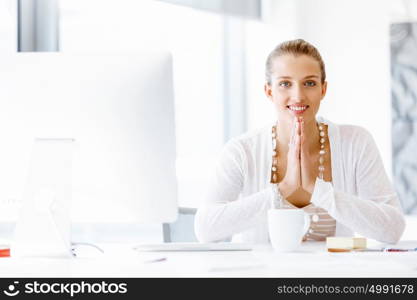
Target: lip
[(297, 112)]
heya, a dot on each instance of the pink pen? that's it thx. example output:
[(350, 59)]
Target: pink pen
[(399, 250), (155, 260)]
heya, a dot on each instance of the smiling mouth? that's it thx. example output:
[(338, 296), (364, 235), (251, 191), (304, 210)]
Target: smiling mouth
[(297, 109)]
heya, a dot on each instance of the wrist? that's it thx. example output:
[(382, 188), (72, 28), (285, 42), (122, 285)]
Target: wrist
[(310, 188), (284, 189)]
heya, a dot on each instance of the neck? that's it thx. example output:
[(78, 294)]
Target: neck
[(311, 133)]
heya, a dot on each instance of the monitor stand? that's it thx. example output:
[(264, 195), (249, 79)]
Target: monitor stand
[(43, 228)]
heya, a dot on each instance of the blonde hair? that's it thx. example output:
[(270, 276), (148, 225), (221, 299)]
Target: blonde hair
[(295, 47)]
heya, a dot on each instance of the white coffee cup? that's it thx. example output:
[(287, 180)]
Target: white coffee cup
[(287, 228)]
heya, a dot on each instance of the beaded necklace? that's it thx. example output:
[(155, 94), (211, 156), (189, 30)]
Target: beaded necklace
[(322, 152)]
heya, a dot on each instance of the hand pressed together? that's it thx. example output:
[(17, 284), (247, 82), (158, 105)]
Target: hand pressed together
[(300, 173)]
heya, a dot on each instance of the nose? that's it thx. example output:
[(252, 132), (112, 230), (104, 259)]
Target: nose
[(297, 93)]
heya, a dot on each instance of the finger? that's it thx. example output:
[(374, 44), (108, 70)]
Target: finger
[(292, 150), (296, 135), (299, 126), (293, 132), (302, 133), (291, 137), (303, 144), (298, 142), (291, 143)]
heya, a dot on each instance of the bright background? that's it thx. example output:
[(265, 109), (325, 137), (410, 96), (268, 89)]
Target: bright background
[(219, 61)]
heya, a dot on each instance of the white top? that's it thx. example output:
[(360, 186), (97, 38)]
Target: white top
[(360, 197)]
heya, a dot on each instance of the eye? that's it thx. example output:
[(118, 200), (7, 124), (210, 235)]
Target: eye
[(310, 83), (284, 83)]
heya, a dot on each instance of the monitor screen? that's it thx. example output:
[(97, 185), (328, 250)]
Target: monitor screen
[(120, 111)]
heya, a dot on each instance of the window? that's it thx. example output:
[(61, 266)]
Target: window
[(258, 45), (8, 27)]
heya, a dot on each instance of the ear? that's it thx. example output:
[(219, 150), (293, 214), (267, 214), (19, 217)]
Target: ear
[(268, 91), (323, 90)]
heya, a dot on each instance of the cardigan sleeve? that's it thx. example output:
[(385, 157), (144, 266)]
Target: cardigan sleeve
[(224, 212), (375, 211)]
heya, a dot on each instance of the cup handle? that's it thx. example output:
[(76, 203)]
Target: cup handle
[(306, 223)]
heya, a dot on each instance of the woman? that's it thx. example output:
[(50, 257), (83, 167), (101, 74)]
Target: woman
[(333, 172)]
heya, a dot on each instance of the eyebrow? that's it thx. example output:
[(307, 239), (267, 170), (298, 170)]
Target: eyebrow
[(309, 76)]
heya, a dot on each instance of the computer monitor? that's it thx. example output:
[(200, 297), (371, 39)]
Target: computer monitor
[(120, 111)]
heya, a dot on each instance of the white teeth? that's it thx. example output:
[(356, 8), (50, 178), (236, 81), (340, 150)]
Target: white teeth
[(297, 108)]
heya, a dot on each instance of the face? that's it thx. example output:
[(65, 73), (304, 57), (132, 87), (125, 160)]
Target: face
[(296, 88)]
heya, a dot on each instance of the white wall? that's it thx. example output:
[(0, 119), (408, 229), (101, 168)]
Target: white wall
[(353, 38), (8, 26), (261, 38)]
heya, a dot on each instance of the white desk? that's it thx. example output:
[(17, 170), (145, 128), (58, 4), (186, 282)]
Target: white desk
[(312, 260)]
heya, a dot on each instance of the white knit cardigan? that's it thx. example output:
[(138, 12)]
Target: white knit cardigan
[(360, 197)]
